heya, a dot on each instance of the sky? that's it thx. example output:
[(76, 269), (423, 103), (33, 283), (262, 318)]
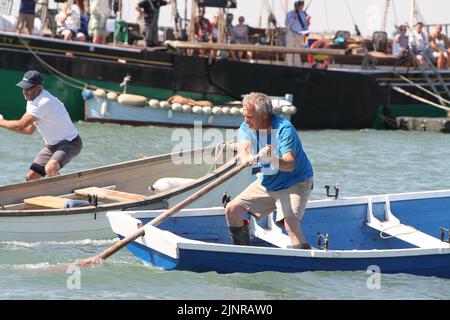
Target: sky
[(327, 15)]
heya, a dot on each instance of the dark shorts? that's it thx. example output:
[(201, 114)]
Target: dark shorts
[(63, 152)]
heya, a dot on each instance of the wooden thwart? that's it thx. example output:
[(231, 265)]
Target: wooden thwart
[(47, 201), (107, 194)]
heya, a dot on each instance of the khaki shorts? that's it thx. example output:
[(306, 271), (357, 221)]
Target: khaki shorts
[(290, 202), (63, 152), (25, 20)]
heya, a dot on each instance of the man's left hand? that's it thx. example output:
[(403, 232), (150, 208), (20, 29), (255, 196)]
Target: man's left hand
[(265, 154)]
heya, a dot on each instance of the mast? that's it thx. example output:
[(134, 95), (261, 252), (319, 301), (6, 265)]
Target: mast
[(413, 12), (176, 19), (386, 10), (192, 22)]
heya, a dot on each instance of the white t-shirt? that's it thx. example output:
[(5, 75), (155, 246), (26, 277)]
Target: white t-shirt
[(54, 123)]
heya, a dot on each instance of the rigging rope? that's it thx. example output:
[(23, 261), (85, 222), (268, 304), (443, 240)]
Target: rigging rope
[(422, 88), (408, 94), (77, 84)]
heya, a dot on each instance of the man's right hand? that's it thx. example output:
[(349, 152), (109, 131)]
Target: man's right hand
[(1, 117)]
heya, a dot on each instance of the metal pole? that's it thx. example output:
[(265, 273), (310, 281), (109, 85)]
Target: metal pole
[(192, 22), (386, 10), (413, 12)]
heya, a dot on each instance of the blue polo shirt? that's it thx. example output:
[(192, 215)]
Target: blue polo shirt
[(293, 23), (27, 6), (284, 138)]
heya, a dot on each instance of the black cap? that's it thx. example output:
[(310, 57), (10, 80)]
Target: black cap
[(299, 3), (30, 79)]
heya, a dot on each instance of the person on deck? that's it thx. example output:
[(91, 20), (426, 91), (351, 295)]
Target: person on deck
[(286, 178), (100, 11), (297, 24), (400, 42), (202, 29), (46, 113), (241, 36), (26, 16), (418, 43), (68, 22), (150, 10), (439, 46)]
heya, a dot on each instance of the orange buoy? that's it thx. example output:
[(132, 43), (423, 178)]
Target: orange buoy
[(319, 60)]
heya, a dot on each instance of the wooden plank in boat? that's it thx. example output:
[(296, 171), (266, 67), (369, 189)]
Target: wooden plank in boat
[(47, 201), (110, 194)]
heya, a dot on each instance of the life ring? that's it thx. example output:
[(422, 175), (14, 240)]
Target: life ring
[(319, 60)]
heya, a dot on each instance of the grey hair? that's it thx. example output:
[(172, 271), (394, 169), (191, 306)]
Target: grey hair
[(260, 101)]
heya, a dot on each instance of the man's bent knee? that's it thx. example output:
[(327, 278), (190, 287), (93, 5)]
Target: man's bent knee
[(32, 175), (234, 208), (52, 168)]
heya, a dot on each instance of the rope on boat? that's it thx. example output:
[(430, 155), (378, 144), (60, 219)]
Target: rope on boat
[(398, 234), (408, 94), (58, 74), (422, 88)]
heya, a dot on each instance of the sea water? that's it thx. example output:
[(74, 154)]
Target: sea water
[(362, 162)]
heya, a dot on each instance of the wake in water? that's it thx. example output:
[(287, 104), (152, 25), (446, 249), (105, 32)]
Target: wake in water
[(85, 242)]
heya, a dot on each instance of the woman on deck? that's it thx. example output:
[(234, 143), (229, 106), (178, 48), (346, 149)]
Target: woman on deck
[(439, 44)]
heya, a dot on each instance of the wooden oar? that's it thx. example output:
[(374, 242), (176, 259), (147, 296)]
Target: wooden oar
[(162, 217)]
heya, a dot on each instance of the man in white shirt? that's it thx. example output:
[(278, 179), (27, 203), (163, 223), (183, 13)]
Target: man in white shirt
[(49, 115), (418, 43), (297, 25)]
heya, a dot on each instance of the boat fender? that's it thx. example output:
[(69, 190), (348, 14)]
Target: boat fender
[(293, 109), (217, 111), (187, 108), (100, 93), (104, 108), (87, 94), (76, 203), (132, 100), (285, 110), (207, 110), (177, 107), (111, 96), (153, 103), (277, 110), (210, 119), (169, 113), (197, 109), (165, 184), (164, 105), (280, 102), (235, 111), (226, 111)]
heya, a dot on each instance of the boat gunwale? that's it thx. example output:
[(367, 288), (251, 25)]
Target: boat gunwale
[(122, 205), (181, 243)]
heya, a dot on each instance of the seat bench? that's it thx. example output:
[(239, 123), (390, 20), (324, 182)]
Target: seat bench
[(114, 195), (47, 201)]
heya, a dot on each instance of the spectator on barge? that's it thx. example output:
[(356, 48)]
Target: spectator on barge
[(418, 43), (439, 46), (400, 42), (26, 17)]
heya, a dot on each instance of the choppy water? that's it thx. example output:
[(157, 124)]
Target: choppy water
[(362, 162)]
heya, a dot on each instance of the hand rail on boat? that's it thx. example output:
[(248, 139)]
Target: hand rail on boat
[(256, 48)]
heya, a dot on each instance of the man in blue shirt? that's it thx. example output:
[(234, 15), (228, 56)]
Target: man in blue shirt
[(286, 177), (26, 16), (297, 26)]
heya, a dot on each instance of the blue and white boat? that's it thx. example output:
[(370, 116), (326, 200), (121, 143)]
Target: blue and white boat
[(138, 110), (395, 233)]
